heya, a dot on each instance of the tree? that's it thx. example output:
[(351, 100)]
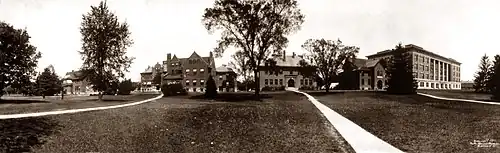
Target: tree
[(157, 80), (328, 57), (48, 83), (494, 80), (105, 41), (211, 88), (481, 77), (18, 58), (348, 79), (241, 65), (125, 87), (256, 28), (400, 75)]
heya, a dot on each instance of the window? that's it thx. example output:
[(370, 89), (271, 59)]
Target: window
[(426, 76), (265, 81), (194, 82), (310, 82), (202, 82), (427, 84), (301, 81), (291, 72), (194, 70), (220, 77), (187, 70), (270, 81), (172, 64), (421, 84), (194, 89), (305, 82), (362, 81), (202, 70), (281, 81), (276, 81), (432, 85), (187, 82), (369, 83), (266, 72)]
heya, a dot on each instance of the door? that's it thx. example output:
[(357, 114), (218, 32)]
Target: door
[(291, 83), (379, 84)]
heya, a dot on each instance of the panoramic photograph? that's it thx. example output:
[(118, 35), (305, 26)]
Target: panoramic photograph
[(231, 76)]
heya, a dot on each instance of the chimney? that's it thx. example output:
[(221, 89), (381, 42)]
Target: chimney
[(293, 54), (169, 57), (284, 55), (211, 55)]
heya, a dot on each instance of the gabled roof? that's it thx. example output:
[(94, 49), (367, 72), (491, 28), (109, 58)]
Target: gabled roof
[(148, 70), (74, 75), (360, 62), (290, 61), (183, 61), (223, 68), (371, 63)]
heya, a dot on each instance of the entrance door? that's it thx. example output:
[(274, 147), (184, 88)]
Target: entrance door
[(291, 83), (379, 84)]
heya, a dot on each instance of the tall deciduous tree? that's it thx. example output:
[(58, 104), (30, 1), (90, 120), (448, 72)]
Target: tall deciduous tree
[(494, 80), (256, 27), (105, 41), (241, 65), (482, 75), (328, 57), (400, 75), (18, 58)]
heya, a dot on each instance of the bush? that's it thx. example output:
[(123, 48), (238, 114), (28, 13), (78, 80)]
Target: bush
[(173, 90), (266, 88), (306, 88), (125, 87), (211, 88), (279, 88)]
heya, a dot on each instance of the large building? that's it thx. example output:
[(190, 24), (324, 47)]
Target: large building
[(432, 71), (225, 79), (76, 83), (147, 77), (288, 76), (191, 72)]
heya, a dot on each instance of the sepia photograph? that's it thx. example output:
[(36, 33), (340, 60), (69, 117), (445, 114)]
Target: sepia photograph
[(249, 76)]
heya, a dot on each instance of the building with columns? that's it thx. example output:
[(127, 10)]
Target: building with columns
[(432, 71)]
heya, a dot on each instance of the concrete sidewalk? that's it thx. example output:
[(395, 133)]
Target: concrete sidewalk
[(360, 140), (462, 100)]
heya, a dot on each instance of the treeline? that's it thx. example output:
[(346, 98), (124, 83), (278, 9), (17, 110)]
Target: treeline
[(487, 78)]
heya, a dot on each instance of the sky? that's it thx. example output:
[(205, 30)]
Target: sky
[(458, 29)]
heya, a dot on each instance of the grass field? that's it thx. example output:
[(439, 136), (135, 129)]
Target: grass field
[(458, 94), (14, 105), (282, 123), (420, 124)]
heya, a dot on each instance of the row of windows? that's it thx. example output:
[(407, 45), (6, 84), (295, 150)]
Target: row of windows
[(270, 81), (363, 81), (427, 84), (306, 81), (280, 72), (194, 82), (194, 70)]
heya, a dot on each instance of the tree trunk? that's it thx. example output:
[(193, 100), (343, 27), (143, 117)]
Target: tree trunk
[(327, 86), (100, 95), (257, 85)]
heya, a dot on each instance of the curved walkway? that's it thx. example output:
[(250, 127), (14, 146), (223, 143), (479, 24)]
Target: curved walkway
[(359, 139), (10, 116), (463, 100)]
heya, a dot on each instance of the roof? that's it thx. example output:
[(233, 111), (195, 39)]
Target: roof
[(74, 75), (148, 70), (223, 68), (290, 61), (412, 46), (183, 61), (360, 62), (371, 63)]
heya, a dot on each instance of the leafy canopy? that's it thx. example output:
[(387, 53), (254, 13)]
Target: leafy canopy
[(400, 74)]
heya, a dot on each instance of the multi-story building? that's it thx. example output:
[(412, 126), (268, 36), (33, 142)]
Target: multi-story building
[(288, 76), (147, 77), (432, 71), (76, 83), (225, 79), (191, 72), (371, 74)]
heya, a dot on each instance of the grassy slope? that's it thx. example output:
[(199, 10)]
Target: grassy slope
[(458, 94), (419, 124), (284, 123)]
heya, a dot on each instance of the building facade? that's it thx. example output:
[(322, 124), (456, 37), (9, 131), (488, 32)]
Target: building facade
[(191, 72), (225, 79), (371, 74), (288, 75), (147, 77), (432, 71), (75, 83)]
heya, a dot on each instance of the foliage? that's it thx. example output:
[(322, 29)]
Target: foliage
[(173, 89), (211, 88), (495, 78), (112, 88), (48, 83), (245, 85), (18, 58), (125, 87), (307, 88), (481, 77), (348, 78), (328, 57), (157, 79), (401, 80), (241, 66), (105, 41), (255, 28)]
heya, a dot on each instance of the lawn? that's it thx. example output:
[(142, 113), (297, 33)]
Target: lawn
[(14, 105), (283, 123), (458, 94), (420, 124)]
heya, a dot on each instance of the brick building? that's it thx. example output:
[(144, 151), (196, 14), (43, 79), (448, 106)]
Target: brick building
[(75, 83), (191, 72), (289, 75), (225, 79), (147, 77)]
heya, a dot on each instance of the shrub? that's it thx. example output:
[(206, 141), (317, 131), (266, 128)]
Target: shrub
[(306, 88), (173, 90), (211, 88), (125, 87), (266, 88)]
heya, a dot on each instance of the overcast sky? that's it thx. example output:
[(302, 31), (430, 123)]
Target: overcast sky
[(459, 29)]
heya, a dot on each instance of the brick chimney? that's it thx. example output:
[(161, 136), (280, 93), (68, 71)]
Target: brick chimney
[(169, 57), (284, 55), (293, 54), (211, 55)]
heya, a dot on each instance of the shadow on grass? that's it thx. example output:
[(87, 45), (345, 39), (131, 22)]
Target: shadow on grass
[(107, 100), (234, 97), (8, 101), (20, 135)]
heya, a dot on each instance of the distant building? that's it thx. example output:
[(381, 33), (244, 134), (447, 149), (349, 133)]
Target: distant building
[(432, 71), (288, 76), (467, 85), (371, 74), (147, 77), (191, 72), (76, 83), (226, 79)]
